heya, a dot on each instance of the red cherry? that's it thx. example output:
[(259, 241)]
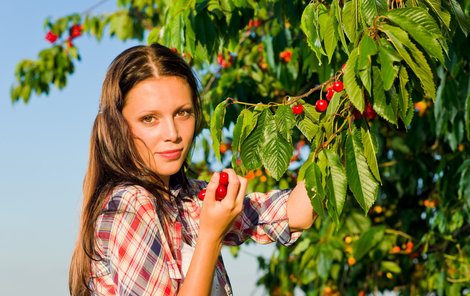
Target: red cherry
[(297, 109), (51, 37), (75, 31), (202, 194), (321, 105), (220, 192), (286, 55), (369, 113), (338, 86), (223, 180), (329, 93), (220, 58), (356, 114)]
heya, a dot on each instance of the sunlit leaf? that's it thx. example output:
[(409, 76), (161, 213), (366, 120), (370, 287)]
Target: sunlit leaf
[(351, 85), (367, 241), (337, 182), (413, 57), (314, 187), (420, 25), (360, 179), (216, 125), (370, 150)]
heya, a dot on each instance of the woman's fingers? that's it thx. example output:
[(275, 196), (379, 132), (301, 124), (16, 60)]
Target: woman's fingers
[(212, 188), (233, 185)]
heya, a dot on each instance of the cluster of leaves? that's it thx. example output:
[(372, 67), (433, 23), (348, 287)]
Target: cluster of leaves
[(257, 59)]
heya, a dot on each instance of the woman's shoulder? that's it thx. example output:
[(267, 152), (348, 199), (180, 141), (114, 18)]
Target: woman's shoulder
[(127, 198)]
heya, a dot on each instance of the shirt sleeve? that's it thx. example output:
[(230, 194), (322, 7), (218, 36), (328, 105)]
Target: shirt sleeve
[(128, 236), (264, 219)]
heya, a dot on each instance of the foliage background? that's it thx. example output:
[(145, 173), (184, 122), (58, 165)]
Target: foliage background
[(415, 238)]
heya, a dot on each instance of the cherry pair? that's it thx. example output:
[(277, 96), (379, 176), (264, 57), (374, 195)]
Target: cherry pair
[(221, 190)]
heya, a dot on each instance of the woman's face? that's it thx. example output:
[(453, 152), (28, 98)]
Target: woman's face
[(160, 113)]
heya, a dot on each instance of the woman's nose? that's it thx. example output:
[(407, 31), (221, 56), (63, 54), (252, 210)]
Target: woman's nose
[(171, 131)]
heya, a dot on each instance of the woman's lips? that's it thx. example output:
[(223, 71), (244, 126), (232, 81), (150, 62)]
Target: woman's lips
[(171, 154)]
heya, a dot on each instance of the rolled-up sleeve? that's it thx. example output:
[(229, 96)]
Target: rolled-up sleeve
[(264, 219)]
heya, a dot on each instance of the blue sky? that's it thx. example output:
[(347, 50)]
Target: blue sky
[(43, 157)]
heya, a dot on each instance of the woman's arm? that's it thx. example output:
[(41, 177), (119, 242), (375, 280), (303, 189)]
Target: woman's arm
[(215, 220), (299, 209)]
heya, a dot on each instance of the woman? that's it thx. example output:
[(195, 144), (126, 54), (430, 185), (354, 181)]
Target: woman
[(143, 230)]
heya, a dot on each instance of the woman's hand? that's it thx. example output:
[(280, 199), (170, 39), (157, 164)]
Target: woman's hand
[(215, 220), (217, 216)]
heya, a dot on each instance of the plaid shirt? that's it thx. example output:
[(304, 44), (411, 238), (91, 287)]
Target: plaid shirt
[(143, 257)]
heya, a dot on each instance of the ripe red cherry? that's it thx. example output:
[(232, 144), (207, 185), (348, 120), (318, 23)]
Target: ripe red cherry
[(297, 109), (329, 93), (220, 192), (338, 86), (321, 105), (202, 194), (369, 113), (223, 180), (51, 37), (76, 31)]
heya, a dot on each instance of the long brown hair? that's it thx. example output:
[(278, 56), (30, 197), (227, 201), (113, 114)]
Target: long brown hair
[(113, 157)]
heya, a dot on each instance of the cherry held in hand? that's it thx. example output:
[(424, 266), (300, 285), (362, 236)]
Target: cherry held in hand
[(202, 194), (223, 180), (221, 190)]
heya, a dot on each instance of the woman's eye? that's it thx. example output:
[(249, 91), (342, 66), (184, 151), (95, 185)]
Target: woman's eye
[(148, 119), (184, 113)]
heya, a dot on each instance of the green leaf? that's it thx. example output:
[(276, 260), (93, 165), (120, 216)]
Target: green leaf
[(386, 107), (406, 111), (311, 112), (360, 179), (389, 63), (285, 121), (307, 127), (337, 182), (462, 19), (417, 22), (443, 15), (334, 104), (390, 266), (370, 9), (413, 57), (216, 125), (351, 85), (327, 25), (369, 239), (309, 27), (249, 151), (205, 31), (339, 24), (314, 187), (467, 116), (153, 36), (268, 45), (350, 19), (240, 132), (370, 150), (275, 151), (464, 183), (367, 49)]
